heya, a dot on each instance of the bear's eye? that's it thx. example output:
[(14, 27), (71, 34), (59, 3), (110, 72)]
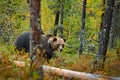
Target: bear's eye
[(58, 45)]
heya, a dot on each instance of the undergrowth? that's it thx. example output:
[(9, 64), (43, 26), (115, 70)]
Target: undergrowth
[(9, 71)]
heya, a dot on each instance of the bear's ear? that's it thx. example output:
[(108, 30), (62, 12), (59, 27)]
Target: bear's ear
[(55, 39), (49, 35), (64, 40)]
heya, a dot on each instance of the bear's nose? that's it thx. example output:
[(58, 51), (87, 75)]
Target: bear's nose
[(60, 50)]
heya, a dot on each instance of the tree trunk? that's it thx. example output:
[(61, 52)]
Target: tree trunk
[(102, 16), (114, 24), (56, 23), (35, 37), (61, 14), (56, 19), (104, 36), (82, 34), (119, 20)]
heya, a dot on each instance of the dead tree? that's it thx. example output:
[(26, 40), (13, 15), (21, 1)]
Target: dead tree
[(82, 33), (35, 37), (104, 36), (69, 74)]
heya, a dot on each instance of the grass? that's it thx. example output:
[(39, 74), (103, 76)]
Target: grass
[(8, 71)]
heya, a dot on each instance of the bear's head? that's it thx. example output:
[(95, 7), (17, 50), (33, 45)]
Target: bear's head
[(56, 43)]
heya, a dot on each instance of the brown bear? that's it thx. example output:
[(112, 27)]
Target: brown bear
[(49, 42)]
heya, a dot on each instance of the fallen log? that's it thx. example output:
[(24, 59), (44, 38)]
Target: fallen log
[(70, 74)]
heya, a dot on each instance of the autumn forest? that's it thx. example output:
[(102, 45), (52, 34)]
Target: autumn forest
[(89, 31)]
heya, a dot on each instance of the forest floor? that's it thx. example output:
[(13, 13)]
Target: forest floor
[(8, 70)]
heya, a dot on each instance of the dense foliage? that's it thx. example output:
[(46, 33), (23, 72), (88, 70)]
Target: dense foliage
[(14, 19)]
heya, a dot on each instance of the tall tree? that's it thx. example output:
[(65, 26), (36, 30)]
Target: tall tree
[(59, 15), (35, 37), (102, 16), (82, 33), (104, 36), (114, 26)]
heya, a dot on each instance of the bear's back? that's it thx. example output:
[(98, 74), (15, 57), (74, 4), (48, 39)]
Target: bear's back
[(22, 41)]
